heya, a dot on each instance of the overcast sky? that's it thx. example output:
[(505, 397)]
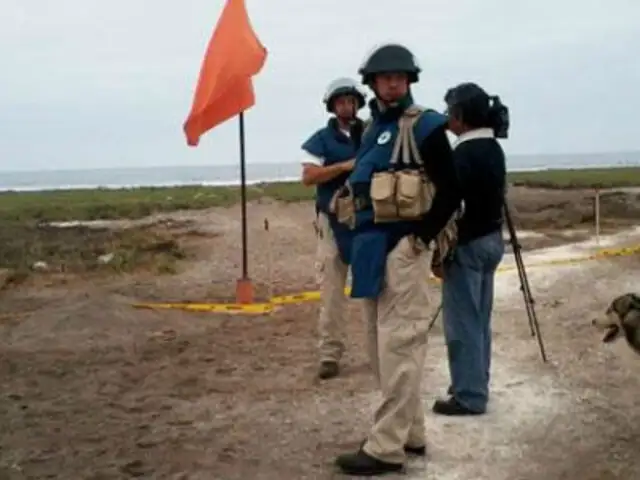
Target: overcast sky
[(88, 83)]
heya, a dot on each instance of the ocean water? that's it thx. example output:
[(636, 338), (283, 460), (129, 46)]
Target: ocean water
[(256, 172)]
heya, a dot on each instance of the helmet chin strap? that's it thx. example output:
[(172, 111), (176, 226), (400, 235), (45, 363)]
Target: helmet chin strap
[(346, 120), (383, 105), (351, 116)]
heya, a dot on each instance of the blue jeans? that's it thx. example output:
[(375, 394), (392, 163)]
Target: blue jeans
[(467, 301)]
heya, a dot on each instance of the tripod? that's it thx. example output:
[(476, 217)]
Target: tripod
[(524, 286)]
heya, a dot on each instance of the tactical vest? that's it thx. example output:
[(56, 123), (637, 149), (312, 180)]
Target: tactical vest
[(389, 184), (333, 147)]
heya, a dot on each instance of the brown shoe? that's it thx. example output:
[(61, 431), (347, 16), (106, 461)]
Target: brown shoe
[(328, 370)]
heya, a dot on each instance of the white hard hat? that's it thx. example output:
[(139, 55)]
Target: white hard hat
[(343, 86)]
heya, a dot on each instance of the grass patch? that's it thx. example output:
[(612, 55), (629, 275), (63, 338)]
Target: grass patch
[(107, 204), (579, 178), (25, 247), (95, 204), (25, 239)]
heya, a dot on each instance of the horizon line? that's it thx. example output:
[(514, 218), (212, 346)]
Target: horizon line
[(234, 164)]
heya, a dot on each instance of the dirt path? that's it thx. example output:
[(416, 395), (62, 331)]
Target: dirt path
[(559, 420), (92, 389)]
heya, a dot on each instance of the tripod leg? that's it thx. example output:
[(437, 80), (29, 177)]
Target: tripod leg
[(528, 300), (531, 312), (524, 283)]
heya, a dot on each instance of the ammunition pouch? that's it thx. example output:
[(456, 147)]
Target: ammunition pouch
[(343, 205), (414, 194), (402, 194), (383, 196)]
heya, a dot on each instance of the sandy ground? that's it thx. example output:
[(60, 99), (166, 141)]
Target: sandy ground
[(93, 389)]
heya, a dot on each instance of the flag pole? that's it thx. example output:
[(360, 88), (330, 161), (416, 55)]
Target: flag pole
[(244, 287), (243, 198)]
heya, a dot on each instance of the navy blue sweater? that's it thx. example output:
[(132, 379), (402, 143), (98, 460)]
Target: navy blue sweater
[(481, 174), (474, 172)]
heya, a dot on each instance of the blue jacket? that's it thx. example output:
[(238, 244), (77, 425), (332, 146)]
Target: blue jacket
[(333, 146), (372, 242)]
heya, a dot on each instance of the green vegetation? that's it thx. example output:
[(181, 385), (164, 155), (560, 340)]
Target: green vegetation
[(65, 205), (579, 178), (103, 204), (25, 239), (79, 249)]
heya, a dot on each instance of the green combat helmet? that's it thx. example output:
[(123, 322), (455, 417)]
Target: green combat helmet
[(390, 58)]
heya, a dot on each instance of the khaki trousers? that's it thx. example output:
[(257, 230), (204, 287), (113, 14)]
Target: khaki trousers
[(397, 323), (332, 278)]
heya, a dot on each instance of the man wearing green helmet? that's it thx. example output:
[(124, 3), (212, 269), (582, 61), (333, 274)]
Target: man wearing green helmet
[(399, 201), (328, 159)]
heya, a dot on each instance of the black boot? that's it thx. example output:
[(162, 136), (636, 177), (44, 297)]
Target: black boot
[(452, 407), (417, 451), (361, 464), (328, 369)]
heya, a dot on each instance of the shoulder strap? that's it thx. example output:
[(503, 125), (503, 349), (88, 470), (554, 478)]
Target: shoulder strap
[(406, 140), (412, 150)]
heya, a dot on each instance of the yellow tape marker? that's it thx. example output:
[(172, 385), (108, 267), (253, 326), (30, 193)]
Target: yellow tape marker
[(313, 296), (618, 252), (231, 308), (296, 298)]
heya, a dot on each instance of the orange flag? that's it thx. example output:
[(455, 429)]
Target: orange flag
[(225, 87)]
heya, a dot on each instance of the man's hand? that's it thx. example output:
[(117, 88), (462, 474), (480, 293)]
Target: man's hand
[(315, 174), (348, 165)]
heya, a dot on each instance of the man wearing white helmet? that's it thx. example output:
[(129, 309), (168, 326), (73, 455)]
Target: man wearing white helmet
[(328, 158)]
